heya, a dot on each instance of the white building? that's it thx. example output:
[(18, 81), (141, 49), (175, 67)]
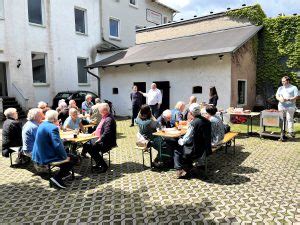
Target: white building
[(45, 44), (186, 58)]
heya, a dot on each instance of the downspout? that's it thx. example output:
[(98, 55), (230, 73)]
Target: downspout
[(98, 80)]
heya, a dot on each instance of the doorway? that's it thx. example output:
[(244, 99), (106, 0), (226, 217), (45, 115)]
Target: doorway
[(141, 87), (164, 87), (3, 81)]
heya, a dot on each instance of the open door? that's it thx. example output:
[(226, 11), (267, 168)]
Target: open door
[(141, 87), (3, 82), (164, 87)]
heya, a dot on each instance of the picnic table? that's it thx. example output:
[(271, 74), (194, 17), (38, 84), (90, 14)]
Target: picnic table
[(69, 136), (169, 133), (249, 115)]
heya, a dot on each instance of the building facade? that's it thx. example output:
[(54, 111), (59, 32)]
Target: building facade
[(186, 58), (45, 44)]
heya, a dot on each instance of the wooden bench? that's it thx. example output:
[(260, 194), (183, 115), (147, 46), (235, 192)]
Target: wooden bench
[(227, 140)]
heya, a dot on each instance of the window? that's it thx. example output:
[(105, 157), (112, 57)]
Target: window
[(82, 76), (242, 92), (133, 2), (35, 11), (38, 67), (80, 20), (115, 91), (1, 9), (114, 27), (197, 90)]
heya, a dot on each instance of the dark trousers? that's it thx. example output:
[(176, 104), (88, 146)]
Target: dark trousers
[(155, 110), (180, 160), (96, 151), (135, 112), (65, 168)]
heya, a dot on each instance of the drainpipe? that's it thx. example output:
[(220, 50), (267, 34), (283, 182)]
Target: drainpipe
[(98, 80)]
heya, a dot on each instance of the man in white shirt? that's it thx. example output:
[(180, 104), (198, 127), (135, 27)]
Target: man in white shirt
[(154, 99), (287, 95)]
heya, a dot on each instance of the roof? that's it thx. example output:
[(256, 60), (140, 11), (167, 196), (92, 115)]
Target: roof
[(160, 3), (196, 19), (216, 42)]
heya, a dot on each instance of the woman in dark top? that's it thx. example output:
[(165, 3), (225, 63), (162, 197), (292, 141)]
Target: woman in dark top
[(213, 96), (147, 126), (12, 132), (136, 100)]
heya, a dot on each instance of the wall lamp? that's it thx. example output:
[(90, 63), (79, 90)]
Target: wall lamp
[(18, 63), (221, 57)]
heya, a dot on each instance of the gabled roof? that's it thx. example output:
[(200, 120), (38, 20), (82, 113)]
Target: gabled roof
[(221, 41)]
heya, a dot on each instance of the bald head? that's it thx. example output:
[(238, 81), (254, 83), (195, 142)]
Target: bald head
[(153, 86), (193, 99)]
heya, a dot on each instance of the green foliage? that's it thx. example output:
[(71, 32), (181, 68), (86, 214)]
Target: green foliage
[(278, 47), (254, 14)]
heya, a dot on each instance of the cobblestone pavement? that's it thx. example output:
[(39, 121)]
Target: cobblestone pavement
[(259, 184)]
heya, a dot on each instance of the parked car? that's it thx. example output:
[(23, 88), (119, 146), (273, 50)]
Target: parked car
[(78, 96)]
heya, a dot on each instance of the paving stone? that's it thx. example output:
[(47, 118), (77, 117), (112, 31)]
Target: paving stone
[(257, 185)]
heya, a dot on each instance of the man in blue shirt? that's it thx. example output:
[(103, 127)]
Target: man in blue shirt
[(287, 95), (34, 117), (48, 148)]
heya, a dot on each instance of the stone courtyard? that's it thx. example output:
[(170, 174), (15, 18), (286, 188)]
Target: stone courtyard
[(259, 184)]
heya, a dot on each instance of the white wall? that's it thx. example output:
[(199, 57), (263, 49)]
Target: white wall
[(130, 17), (182, 74), (58, 39)]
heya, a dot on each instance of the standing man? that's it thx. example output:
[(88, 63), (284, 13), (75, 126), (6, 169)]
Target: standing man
[(287, 95), (154, 99), (136, 100)]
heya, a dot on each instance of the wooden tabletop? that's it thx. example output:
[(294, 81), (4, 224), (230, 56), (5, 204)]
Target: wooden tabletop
[(69, 136), (170, 133), (89, 125)]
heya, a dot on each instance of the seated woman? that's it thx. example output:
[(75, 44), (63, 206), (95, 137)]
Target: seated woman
[(12, 132), (177, 113), (217, 126), (73, 122), (63, 111), (147, 125)]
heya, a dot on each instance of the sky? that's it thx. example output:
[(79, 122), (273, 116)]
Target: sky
[(189, 8)]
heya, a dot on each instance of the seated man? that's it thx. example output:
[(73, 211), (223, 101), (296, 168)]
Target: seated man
[(95, 116), (165, 118), (12, 132), (217, 126), (34, 117), (49, 148), (177, 113), (195, 143), (107, 138), (73, 122), (87, 104)]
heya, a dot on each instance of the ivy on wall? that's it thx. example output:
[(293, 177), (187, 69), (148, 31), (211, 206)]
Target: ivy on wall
[(278, 47)]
